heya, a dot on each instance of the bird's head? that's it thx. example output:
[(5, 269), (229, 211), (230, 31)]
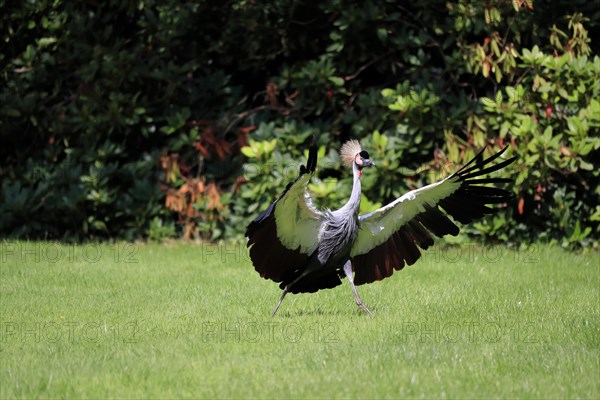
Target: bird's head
[(352, 155)]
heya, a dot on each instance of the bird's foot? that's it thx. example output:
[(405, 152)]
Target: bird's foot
[(364, 308)]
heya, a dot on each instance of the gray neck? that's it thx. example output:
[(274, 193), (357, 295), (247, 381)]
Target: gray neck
[(353, 204)]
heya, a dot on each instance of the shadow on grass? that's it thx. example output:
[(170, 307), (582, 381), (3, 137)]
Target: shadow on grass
[(323, 312)]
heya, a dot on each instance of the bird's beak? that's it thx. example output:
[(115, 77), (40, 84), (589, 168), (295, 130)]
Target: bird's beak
[(368, 163)]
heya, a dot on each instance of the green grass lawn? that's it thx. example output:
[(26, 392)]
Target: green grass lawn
[(193, 320)]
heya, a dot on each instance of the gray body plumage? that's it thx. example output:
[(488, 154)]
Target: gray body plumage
[(340, 227)]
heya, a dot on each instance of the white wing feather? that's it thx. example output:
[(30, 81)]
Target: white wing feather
[(377, 227), (298, 221)]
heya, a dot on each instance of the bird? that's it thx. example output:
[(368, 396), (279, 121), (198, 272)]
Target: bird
[(305, 249)]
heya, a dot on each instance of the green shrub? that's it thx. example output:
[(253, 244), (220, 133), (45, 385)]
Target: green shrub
[(153, 119), (552, 119)]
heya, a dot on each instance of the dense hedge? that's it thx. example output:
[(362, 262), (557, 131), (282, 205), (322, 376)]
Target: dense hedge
[(152, 119)]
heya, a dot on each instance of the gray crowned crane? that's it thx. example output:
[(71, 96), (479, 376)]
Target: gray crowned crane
[(306, 250)]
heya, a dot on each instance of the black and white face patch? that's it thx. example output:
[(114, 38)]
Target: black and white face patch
[(361, 158)]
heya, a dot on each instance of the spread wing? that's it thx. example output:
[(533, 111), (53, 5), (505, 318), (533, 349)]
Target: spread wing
[(390, 237), (283, 237)]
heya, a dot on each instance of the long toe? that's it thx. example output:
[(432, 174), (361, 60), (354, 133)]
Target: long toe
[(365, 309)]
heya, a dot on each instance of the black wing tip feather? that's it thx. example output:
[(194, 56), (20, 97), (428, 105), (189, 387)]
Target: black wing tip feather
[(311, 163), (470, 202), (487, 170), (474, 159), (464, 172)]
